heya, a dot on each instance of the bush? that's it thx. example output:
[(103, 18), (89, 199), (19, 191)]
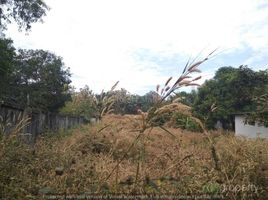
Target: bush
[(182, 121), (177, 120)]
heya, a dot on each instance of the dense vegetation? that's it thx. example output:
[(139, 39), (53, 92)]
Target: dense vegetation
[(34, 78), (233, 91)]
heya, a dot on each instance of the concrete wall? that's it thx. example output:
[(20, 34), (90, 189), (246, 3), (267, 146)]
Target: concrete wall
[(39, 123), (249, 130)]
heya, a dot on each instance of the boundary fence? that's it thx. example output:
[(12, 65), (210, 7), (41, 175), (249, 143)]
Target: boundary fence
[(39, 122)]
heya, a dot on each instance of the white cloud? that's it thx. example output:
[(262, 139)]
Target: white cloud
[(97, 38)]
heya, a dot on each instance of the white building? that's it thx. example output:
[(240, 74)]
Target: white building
[(248, 130)]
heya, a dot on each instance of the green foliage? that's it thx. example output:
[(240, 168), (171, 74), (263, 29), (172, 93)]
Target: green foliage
[(24, 13), (177, 120), (42, 76), (7, 53), (88, 104), (162, 119), (33, 77), (260, 116), (148, 100), (81, 104), (185, 97), (126, 103), (212, 188), (232, 90), (184, 122)]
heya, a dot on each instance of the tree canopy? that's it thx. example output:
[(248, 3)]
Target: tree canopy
[(23, 12), (7, 54), (81, 103), (35, 77), (42, 76), (232, 90), (260, 115)]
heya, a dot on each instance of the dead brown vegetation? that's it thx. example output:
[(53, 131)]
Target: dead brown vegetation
[(79, 162)]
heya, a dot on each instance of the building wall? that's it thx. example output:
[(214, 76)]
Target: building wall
[(249, 130)]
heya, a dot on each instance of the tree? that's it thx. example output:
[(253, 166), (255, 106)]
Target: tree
[(185, 97), (133, 104), (81, 104), (232, 91), (148, 100), (261, 114), (7, 54), (42, 77), (23, 12), (126, 103), (121, 98)]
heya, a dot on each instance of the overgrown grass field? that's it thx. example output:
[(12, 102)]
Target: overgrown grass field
[(103, 159)]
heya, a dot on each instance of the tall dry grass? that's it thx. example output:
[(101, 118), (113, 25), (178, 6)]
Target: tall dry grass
[(103, 103), (79, 161), (161, 106)]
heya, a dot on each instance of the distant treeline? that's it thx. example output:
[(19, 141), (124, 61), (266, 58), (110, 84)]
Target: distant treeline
[(230, 91), (38, 79)]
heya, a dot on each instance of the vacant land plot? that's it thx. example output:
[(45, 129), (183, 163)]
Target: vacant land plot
[(105, 158)]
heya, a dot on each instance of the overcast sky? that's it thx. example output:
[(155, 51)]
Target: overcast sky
[(143, 42)]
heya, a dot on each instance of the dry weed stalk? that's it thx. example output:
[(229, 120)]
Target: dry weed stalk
[(104, 102), (11, 135), (16, 130), (160, 107), (3, 127)]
